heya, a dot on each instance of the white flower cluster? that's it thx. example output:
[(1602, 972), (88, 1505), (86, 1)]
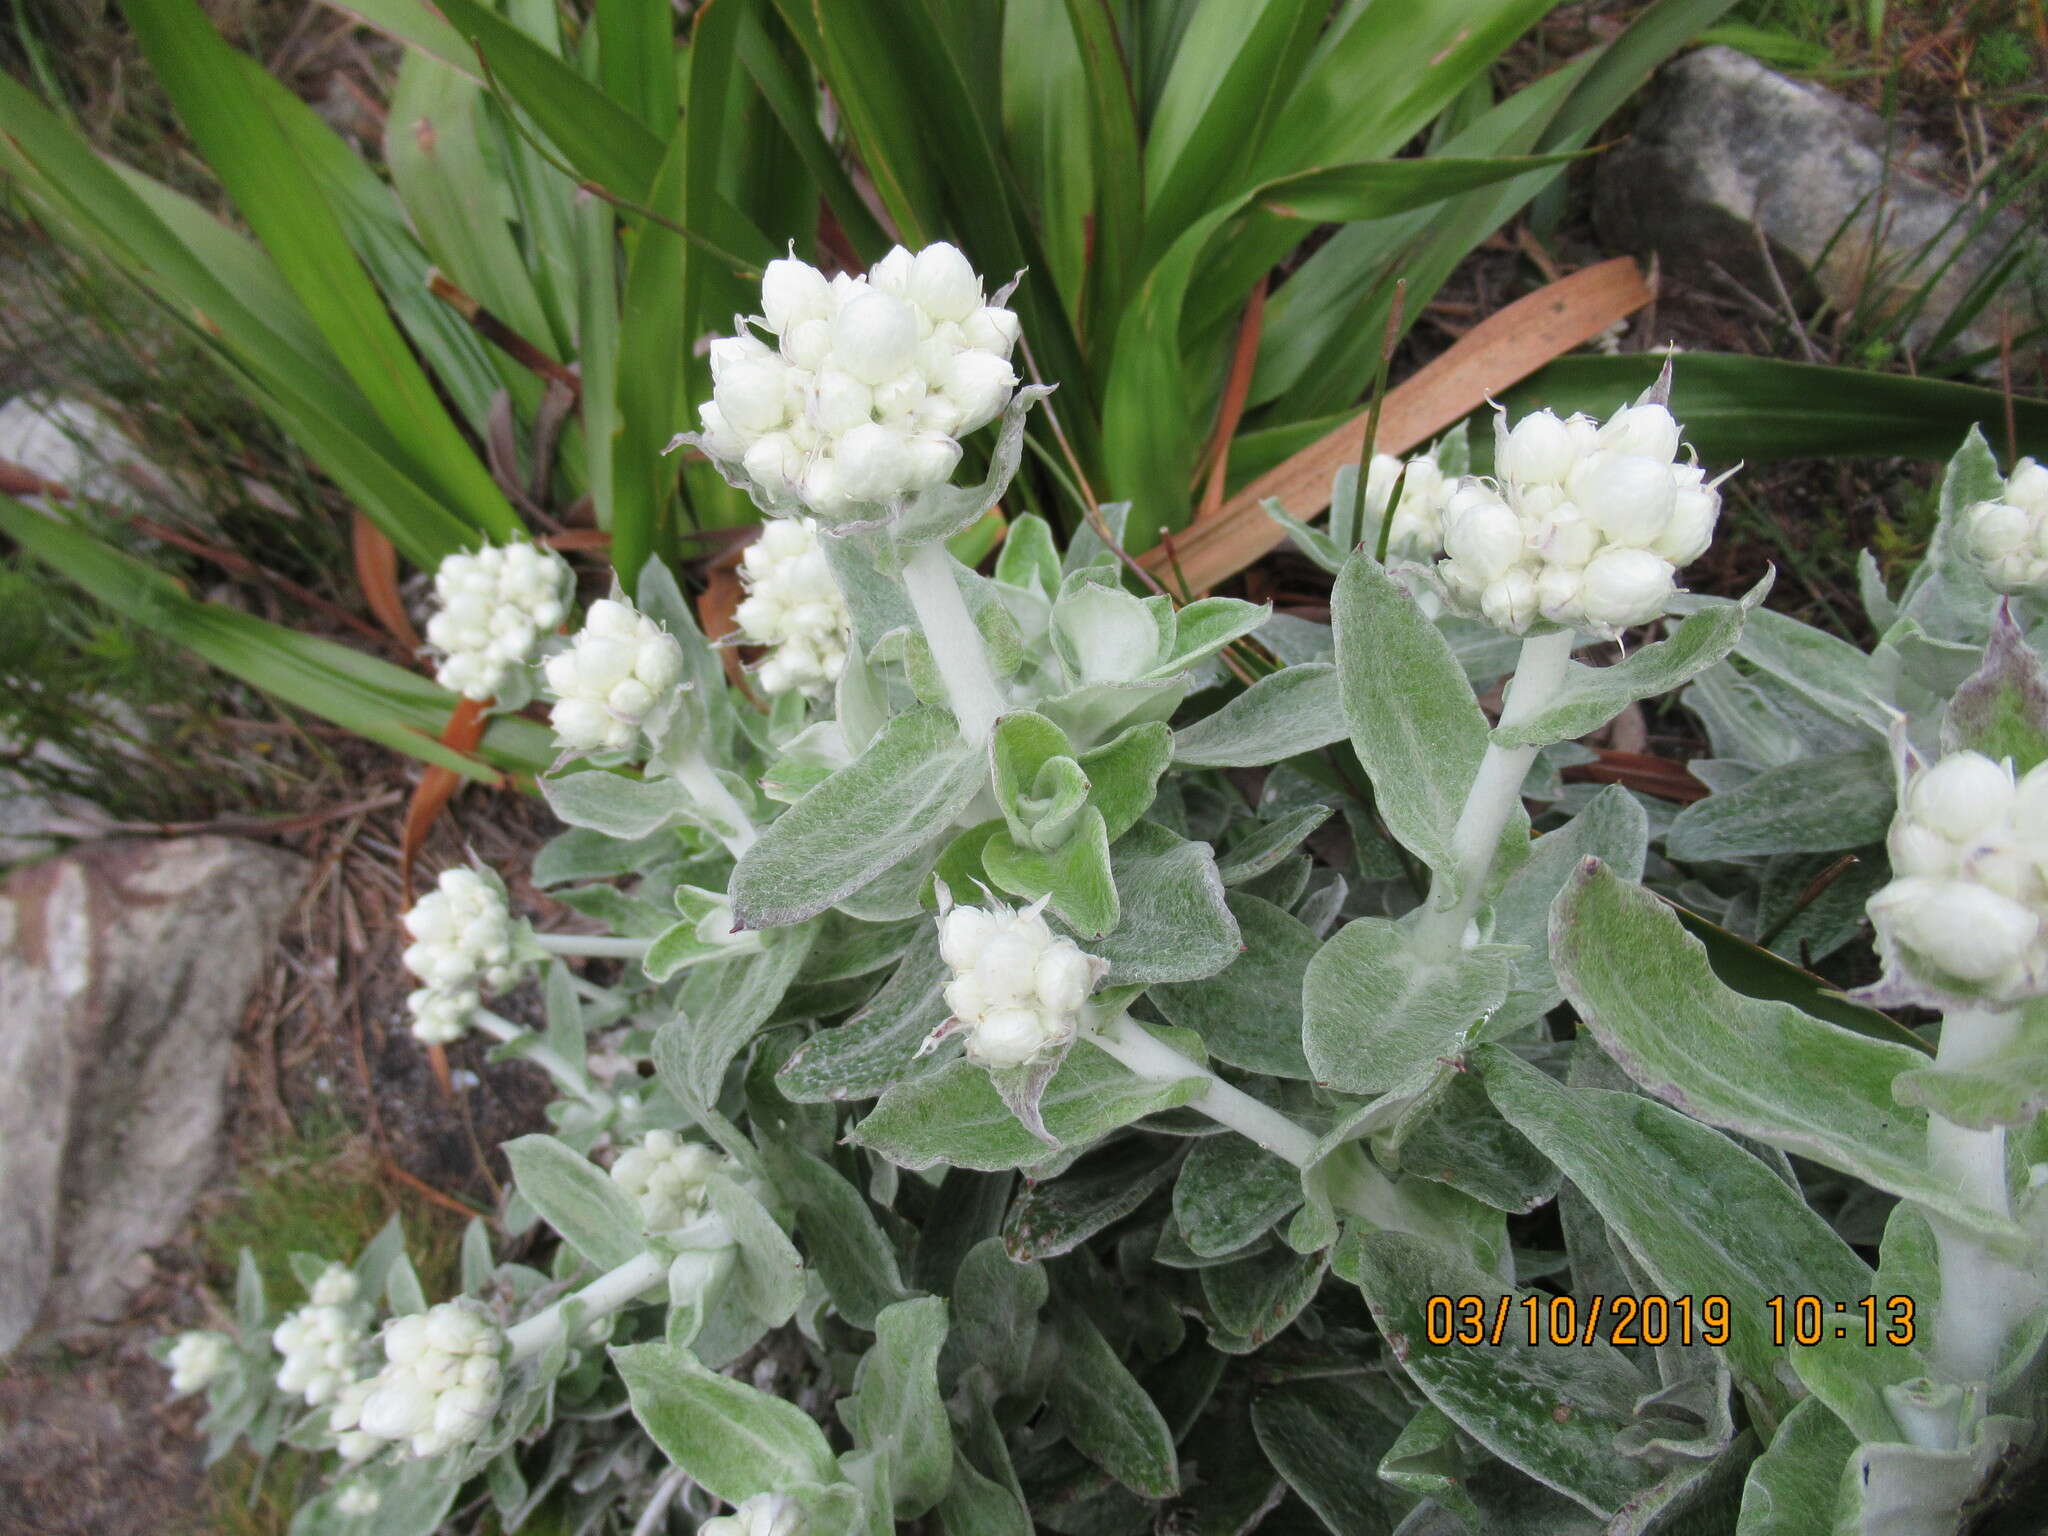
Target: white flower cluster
[(765, 1514), (197, 1360), (870, 384), (438, 1389), (462, 946), (321, 1340), (1418, 532), (493, 609), (1017, 986), (666, 1176), (2008, 538), (1585, 527), (1969, 889), (793, 607), (620, 666)]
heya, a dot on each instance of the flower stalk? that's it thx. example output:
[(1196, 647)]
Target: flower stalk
[(955, 641), (1496, 790), (543, 1056), (602, 1297), (1149, 1057)]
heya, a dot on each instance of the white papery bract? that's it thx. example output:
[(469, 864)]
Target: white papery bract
[(1018, 988), (321, 1341), (438, 1388), (2007, 539), (765, 1514), (793, 607), (1585, 527), (869, 384), (493, 608), (197, 1360), (1964, 912), (667, 1177), (618, 670)]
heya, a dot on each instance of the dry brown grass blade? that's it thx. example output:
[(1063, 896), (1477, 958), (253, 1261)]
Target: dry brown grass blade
[(437, 785), (1500, 351), (1235, 389), (1648, 775), (716, 605), (377, 574)]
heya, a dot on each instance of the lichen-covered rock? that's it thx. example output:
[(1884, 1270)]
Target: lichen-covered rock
[(125, 970)]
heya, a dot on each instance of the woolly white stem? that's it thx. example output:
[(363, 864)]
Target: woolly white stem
[(1152, 1058), (955, 642), (602, 1297), (542, 1056), (1496, 791), (1983, 1297), (594, 946), (654, 1517), (729, 819)]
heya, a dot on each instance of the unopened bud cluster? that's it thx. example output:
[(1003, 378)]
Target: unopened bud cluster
[(462, 947), (197, 1360), (493, 608), (793, 607), (666, 1176), (1018, 988), (438, 1389), (2008, 538), (321, 1340), (1969, 852), (1418, 531), (765, 1514), (869, 384), (620, 666), (1585, 527)]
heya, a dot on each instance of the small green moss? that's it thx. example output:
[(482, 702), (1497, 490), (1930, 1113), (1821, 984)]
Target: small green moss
[(2001, 59), (322, 1194)]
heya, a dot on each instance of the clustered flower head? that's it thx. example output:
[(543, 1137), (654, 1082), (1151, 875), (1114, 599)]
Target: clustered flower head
[(320, 1341), (765, 1514), (2008, 538), (617, 670), (438, 1389), (1418, 532), (1585, 527), (792, 606), (1018, 988), (493, 609), (197, 1360), (462, 934), (1969, 851), (667, 1176), (869, 382)]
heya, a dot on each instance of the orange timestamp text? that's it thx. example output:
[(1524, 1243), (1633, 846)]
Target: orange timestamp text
[(1657, 1320)]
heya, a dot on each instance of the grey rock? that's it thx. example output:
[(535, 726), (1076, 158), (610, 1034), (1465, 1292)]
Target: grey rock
[(125, 970), (1725, 148)]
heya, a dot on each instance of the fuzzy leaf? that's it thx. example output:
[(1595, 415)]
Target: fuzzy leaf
[(1107, 1416), (1175, 925), (1377, 1015), (1765, 1069), (895, 1404), (1592, 696), (878, 1046), (728, 1437), (1413, 720), (913, 779), (594, 1216), (847, 1246), (1791, 1489), (1295, 710), (615, 805), (1231, 1192), (2002, 711), (996, 1302), (1249, 1013), (1814, 806), (1268, 842)]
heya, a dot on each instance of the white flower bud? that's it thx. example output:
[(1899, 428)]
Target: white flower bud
[(892, 273), (1645, 429), (1962, 796), (1694, 511), (1917, 849), (991, 330), (1018, 988), (668, 1178), (1509, 601), (840, 402), (493, 607), (943, 284), (1967, 931), (980, 385), (1624, 587), (1628, 496), (931, 458), (874, 462), (874, 337), (620, 666), (1538, 451), (1483, 537), (754, 395), (793, 291)]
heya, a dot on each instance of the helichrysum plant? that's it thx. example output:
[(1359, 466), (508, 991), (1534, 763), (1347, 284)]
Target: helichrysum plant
[(1072, 1059)]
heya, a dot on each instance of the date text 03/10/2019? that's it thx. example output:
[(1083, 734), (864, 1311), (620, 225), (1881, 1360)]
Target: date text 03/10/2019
[(1655, 1320)]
